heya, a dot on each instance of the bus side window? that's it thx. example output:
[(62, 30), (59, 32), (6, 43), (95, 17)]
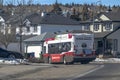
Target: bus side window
[(68, 45)]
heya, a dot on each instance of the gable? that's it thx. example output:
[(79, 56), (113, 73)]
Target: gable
[(27, 22), (1, 19), (104, 18)]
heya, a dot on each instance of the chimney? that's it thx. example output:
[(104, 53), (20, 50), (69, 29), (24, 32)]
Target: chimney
[(43, 14)]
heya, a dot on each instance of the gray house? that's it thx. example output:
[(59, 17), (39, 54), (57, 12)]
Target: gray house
[(106, 24)]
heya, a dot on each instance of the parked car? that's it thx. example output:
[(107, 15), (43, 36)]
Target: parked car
[(10, 54)]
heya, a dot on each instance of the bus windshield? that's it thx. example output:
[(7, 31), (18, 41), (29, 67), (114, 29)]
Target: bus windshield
[(58, 48)]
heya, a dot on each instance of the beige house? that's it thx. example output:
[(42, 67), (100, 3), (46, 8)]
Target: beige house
[(114, 41), (106, 29)]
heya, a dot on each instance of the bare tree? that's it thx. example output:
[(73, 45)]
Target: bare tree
[(7, 36)]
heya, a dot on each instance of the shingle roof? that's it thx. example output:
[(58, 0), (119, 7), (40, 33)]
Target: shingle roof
[(101, 34), (51, 18), (34, 18), (114, 16), (5, 16), (40, 38)]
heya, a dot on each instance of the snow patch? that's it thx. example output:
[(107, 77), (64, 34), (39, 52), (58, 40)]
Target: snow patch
[(12, 61), (100, 60), (113, 60)]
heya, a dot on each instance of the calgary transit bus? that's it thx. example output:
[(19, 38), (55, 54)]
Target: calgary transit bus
[(69, 48)]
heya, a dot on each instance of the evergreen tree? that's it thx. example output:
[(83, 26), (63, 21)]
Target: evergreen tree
[(56, 8)]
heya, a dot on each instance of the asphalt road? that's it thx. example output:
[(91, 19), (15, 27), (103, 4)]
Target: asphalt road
[(108, 72), (92, 71), (58, 72)]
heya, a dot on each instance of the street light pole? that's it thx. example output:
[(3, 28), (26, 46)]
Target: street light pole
[(94, 9), (22, 7), (21, 38)]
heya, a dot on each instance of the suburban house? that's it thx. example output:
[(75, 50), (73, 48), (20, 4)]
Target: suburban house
[(3, 22), (105, 25), (8, 38), (113, 41), (7, 30), (36, 24)]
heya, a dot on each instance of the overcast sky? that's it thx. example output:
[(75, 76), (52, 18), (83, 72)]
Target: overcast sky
[(104, 2)]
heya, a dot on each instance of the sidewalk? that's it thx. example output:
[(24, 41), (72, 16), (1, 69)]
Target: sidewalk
[(13, 71)]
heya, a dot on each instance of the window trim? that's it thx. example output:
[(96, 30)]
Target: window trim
[(96, 27), (35, 29), (108, 26)]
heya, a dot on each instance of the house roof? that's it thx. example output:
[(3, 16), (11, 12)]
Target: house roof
[(114, 16), (112, 32), (34, 18), (40, 38), (5, 16), (51, 18), (101, 35)]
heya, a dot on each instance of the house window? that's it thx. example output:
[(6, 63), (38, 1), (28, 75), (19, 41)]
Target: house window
[(35, 28), (28, 29), (96, 27), (108, 26)]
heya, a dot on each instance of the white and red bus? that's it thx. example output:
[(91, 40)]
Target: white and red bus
[(69, 48)]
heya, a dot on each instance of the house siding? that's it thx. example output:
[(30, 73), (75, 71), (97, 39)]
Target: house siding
[(35, 49), (59, 28), (116, 36)]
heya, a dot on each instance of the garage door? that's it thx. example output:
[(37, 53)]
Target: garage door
[(35, 49)]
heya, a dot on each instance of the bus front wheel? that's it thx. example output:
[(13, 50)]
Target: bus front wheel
[(65, 61)]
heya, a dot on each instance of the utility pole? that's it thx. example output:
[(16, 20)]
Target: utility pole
[(21, 24)]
